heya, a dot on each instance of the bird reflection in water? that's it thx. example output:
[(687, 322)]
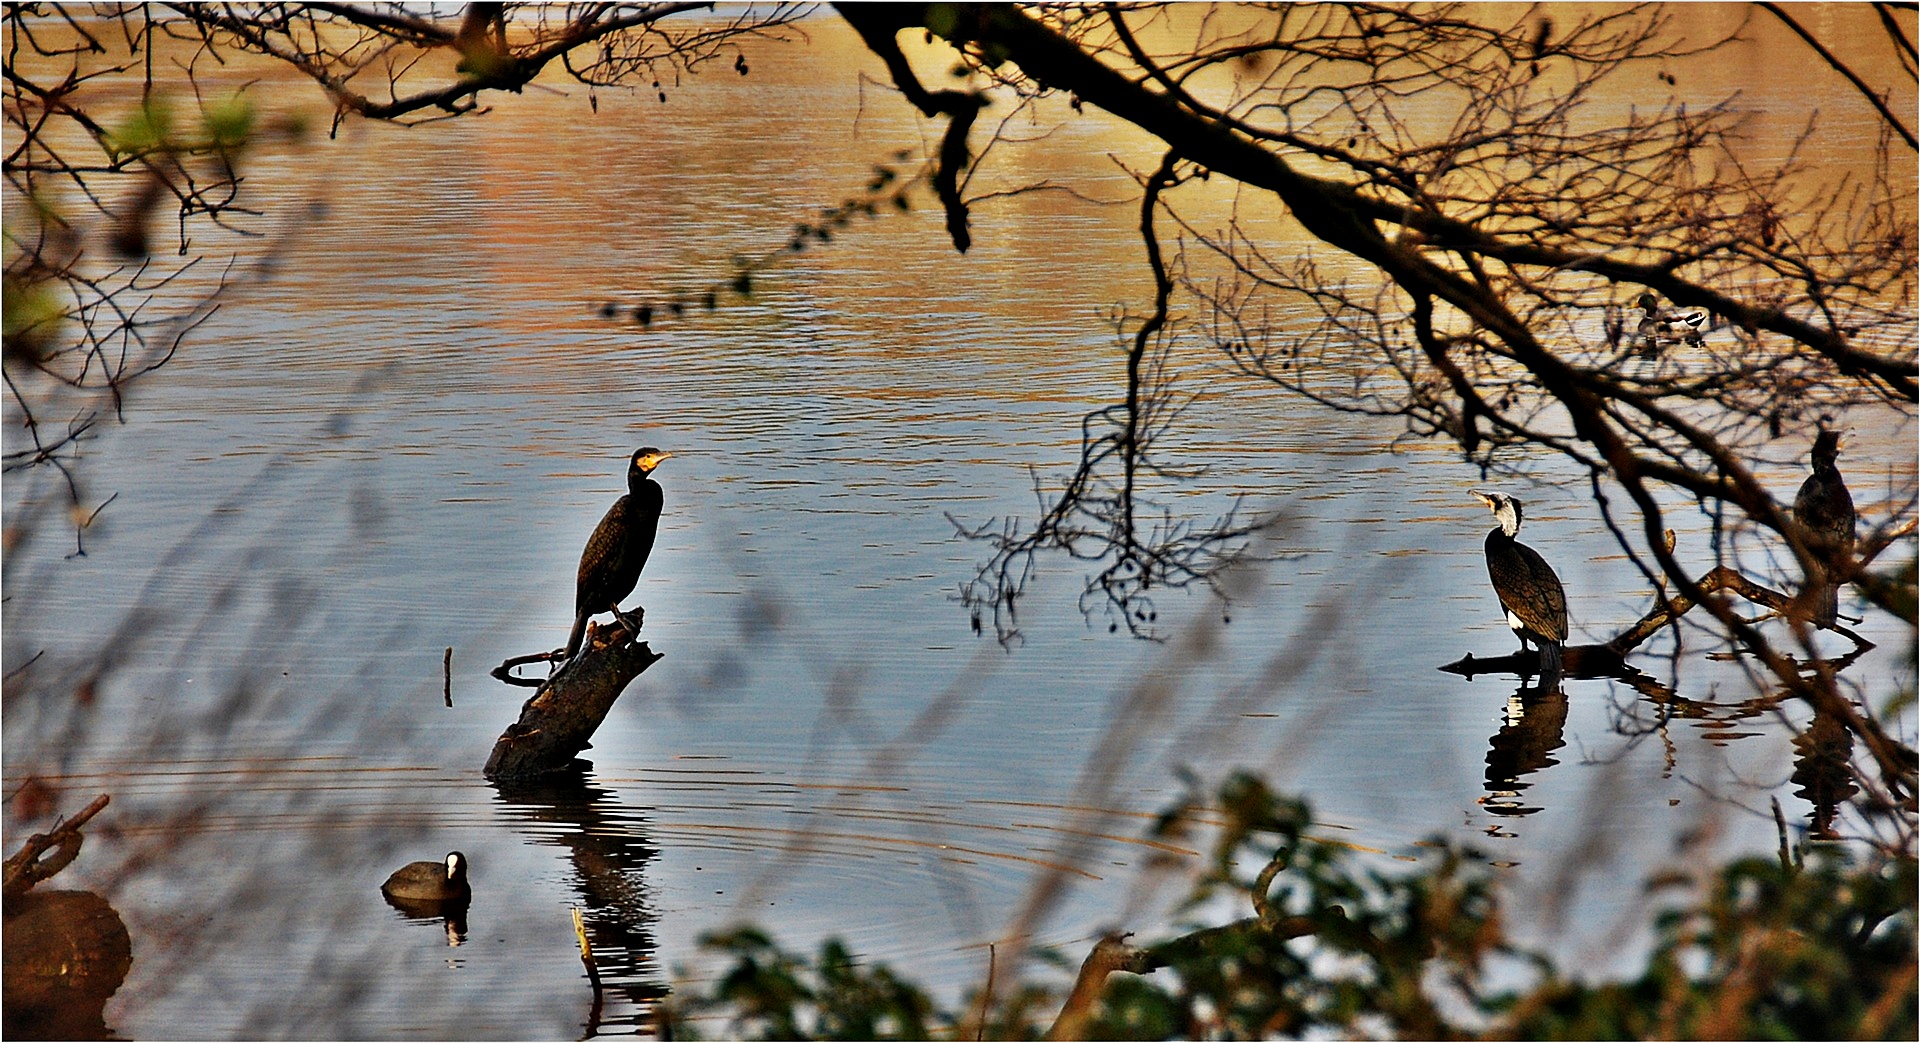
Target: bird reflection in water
[(452, 915), (429, 891), (1823, 772), (1536, 715)]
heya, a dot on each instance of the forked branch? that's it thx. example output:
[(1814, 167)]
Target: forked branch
[(28, 867)]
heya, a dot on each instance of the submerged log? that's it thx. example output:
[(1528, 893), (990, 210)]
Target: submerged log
[(558, 722), (1577, 662), (1609, 659)]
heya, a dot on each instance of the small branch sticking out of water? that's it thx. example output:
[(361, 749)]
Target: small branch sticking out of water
[(593, 971), (586, 948), (25, 869)]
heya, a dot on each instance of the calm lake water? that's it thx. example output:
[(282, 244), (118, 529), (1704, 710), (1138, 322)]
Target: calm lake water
[(399, 444)]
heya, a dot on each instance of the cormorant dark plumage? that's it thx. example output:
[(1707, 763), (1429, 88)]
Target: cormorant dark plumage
[(617, 551), (430, 881), (1531, 593), (1825, 508)]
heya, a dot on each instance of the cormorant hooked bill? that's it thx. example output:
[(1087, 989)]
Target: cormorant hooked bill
[(1825, 508), (1529, 590), (617, 551)]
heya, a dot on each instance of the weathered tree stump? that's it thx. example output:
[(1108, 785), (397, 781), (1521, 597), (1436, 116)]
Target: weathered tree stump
[(67, 952), (559, 721)]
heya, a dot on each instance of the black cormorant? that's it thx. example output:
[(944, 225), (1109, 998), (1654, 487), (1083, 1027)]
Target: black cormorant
[(430, 881), (1825, 509), (618, 548), (1536, 604)]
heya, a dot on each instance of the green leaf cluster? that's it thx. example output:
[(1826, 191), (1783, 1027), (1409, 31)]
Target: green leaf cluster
[(31, 318), (770, 993), (225, 127), (1760, 948)]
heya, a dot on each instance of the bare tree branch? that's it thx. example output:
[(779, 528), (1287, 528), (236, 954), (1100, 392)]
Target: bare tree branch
[(1101, 518), (1874, 98)]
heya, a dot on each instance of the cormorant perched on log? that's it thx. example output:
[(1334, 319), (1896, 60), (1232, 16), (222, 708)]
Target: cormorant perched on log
[(1536, 604), (1825, 508), (618, 548)]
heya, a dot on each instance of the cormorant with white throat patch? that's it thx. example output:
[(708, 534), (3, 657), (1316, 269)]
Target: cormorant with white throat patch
[(1530, 592)]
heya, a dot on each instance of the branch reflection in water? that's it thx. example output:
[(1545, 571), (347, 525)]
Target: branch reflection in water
[(1535, 716), (608, 852)]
